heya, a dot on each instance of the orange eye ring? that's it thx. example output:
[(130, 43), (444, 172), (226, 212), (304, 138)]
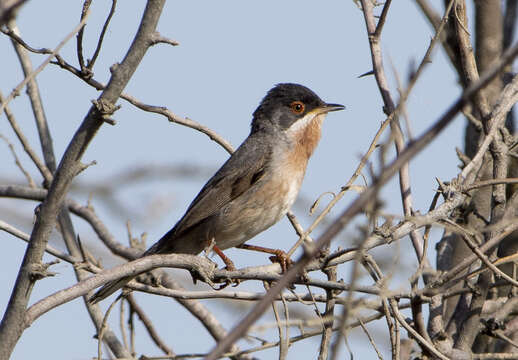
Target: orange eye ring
[(297, 107)]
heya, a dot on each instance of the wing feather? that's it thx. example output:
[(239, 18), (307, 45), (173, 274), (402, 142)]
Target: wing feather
[(243, 169)]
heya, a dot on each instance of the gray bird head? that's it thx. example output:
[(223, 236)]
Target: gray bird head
[(286, 104)]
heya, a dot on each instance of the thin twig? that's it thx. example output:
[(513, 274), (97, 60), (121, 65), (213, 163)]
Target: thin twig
[(327, 333), (148, 324), (25, 143), (79, 42), (103, 327), (17, 160), (425, 343), (121, 325), (12, 34), (52, 206), (479, 184), (20, 86), (346, 187), (371, 340), (486, 261), (382, 18), (91, 62), (283, 348), (26, 237), (360, 202)]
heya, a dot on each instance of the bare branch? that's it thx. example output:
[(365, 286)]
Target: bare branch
[(149, 326), (8, 9), (28, 78), (11, 328), (159, 39), (91, 62), (79, 42), (26, 237), (25, 143), (17, 160), (359, 204)]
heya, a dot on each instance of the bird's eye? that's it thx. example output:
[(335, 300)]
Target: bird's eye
[(297, 107)]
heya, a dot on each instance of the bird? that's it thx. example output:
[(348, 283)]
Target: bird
[(255, 187)]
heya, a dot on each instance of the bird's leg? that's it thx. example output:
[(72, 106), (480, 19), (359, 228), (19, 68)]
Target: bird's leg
[(280, 256), (229, 266)]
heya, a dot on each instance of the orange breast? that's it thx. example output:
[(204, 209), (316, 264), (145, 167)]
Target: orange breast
[(305, 140)]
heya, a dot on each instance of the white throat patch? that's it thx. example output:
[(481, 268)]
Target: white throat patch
[(301, 124)]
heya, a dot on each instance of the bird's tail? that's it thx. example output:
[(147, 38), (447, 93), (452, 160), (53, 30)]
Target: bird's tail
[(160, 247), (109, 289)]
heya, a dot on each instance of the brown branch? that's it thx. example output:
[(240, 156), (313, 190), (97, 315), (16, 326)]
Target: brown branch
[(283, 339), (468, 324), (202, 266), (186, 294), (252, 296), (489, 28)]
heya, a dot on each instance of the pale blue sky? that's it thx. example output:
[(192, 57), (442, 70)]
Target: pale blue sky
[(230, 54)]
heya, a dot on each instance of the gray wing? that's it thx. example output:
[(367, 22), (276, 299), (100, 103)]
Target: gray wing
[(243, 169)]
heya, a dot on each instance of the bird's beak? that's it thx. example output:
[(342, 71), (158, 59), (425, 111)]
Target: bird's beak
[(330, 107)]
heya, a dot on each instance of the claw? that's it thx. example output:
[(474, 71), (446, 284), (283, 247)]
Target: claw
[(235, 282), (279, 256)]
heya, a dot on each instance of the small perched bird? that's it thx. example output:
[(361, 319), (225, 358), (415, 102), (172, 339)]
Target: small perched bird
[(255, 187)]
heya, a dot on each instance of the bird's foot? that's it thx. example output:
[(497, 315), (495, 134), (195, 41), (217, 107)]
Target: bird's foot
[(229, 266), (282, 258), (279, 256), (226, 282)]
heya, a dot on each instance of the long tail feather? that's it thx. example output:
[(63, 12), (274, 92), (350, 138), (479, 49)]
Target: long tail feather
[(109, 289)]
